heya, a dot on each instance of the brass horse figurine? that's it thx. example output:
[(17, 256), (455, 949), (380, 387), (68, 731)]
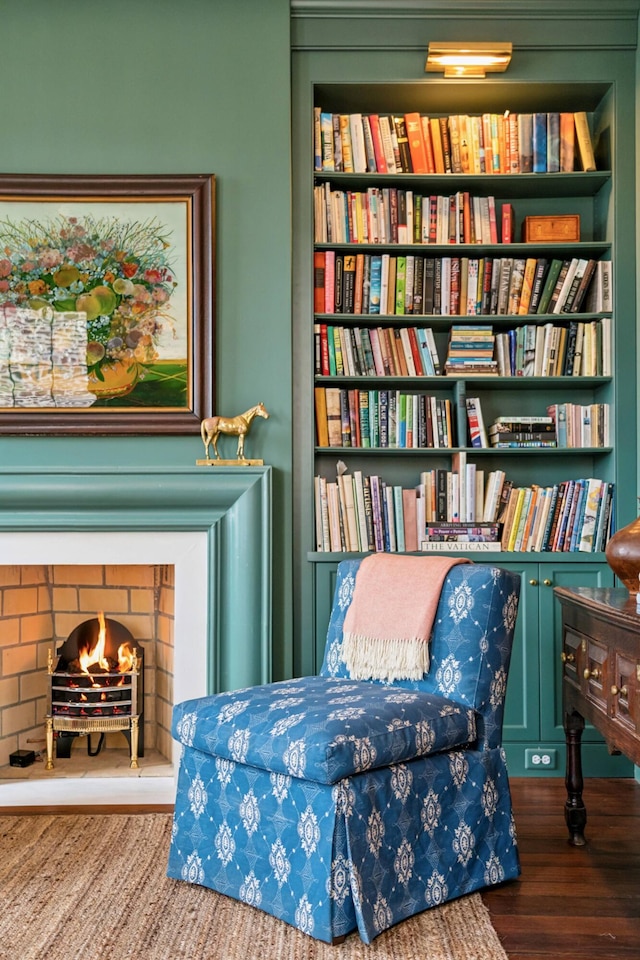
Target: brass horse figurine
[(212, 427)]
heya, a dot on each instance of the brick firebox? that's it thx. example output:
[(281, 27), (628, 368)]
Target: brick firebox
[(41, 604)]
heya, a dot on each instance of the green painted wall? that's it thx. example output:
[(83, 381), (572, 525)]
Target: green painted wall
[(160, 86)]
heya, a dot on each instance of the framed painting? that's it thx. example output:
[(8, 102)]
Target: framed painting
[(107, 293)]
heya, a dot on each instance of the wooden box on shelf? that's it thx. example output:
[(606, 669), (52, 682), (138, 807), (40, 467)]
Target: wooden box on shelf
[(551, 229)]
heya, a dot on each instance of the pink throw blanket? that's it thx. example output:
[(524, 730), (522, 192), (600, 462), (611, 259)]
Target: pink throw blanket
[(388, 625)]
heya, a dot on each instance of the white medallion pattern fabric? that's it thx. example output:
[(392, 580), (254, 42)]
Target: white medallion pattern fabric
[(338, 804)]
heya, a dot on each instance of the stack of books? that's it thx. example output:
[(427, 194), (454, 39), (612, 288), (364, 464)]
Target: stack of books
[(471, 351), (514, 431), (469, 533)]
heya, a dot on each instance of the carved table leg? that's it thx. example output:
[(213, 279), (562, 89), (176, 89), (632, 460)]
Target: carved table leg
[(575, 813)]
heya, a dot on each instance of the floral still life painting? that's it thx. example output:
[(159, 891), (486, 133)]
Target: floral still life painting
[(99, 307)]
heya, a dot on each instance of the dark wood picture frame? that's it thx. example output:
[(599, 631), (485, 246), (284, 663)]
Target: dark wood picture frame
[(193, 197)]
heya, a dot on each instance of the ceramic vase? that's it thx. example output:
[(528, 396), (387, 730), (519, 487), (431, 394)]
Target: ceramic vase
[(623, 555)]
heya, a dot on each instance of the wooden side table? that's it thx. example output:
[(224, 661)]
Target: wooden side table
[(601, 682)]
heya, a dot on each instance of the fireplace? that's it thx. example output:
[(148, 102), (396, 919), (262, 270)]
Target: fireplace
[(210, 528)]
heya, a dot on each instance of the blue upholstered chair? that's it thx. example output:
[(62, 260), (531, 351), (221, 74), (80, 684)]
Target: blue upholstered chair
[(337, 804)]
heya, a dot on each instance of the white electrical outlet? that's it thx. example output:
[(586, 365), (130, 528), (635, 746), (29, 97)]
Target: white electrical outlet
[(541, 759)]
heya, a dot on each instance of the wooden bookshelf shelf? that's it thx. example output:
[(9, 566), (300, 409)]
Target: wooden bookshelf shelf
[(519, 186)]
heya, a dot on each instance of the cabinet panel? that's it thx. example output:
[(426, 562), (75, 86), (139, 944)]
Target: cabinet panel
[(522, 706), (325, 577)]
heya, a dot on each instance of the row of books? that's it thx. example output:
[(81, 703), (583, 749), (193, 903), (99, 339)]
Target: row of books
[(489, 143), (571, 516), (466, 494), (382, 284), (574, 349), (382, 419), (581, 425), (364, 513), (357, 513), (396, 215), (398, 420), (375, 351), (565, 425)]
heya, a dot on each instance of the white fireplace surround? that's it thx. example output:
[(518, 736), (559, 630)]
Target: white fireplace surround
[(213, 527), (187, 553)]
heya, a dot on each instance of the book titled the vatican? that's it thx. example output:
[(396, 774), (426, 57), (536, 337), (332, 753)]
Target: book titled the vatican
[(460, 546)]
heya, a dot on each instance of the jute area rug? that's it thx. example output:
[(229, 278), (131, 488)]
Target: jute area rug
[(94, 888)]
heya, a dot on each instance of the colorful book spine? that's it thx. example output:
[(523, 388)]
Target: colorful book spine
[(539, 143)]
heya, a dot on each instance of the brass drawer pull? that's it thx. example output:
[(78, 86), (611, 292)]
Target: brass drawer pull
[(623, 691), (547, 583), (534, 583), (567, 657), (591, 674)]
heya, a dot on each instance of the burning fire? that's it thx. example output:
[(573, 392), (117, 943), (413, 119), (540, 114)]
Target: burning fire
[(89, 658), (126, 656)]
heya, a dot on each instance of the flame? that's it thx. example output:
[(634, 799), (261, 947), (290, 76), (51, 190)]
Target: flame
[(126, 656), (89, 658)]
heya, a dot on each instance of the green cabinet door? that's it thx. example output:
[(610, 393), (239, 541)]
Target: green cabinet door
[(522, 706), (325, 577), (533, 709)]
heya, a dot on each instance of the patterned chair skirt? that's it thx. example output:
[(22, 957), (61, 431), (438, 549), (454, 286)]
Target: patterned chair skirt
[(365, 852)]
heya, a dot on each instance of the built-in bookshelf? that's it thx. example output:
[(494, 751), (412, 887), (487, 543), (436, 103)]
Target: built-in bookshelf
[(490, 238), (438, 312)]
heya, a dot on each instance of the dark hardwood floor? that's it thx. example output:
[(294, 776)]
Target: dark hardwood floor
[(572, 903)]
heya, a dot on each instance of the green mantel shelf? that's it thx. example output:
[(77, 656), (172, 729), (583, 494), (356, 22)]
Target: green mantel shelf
[(232, 505)]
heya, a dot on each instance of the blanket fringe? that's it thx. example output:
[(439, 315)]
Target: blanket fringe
[(373, 658)]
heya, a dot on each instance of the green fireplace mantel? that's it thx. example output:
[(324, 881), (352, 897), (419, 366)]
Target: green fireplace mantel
[(232, 505)]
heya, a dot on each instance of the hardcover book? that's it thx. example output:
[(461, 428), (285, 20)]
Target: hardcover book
[(585, 144), (525, 142), (403, 144), (553, 142), (477, 546), (417, 149), (567, 142), (539, 141), (549, 285)]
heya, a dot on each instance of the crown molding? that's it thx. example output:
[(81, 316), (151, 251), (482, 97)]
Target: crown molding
[(480, 9), (408, 24)]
